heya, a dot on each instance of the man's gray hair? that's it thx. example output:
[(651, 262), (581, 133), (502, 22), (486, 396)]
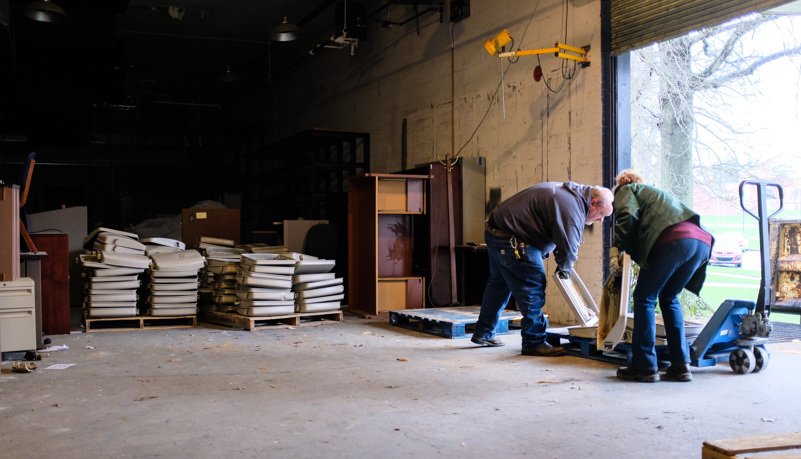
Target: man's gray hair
[(601, 194)]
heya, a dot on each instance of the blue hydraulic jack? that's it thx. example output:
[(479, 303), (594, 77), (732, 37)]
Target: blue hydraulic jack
[(739, 329)]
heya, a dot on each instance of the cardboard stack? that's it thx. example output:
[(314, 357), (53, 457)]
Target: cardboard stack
[(264, 285), (173, 286), (112, 264)]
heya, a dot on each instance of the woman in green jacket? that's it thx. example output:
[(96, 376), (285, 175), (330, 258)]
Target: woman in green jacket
[(666, 239)]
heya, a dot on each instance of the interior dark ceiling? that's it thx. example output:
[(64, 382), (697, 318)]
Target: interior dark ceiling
[(146, 56)]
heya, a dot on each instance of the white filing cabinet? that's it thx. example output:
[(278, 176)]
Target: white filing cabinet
[(17, 316)]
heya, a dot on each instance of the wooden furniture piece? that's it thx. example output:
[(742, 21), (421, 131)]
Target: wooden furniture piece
[(220, 223), (55, 282), (17, 316), (789, 445), (9, 233), (442, 227), (303, 176), (381, 240), (456, 214)]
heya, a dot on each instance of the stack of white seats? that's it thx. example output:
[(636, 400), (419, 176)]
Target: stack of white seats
[(220, 280), (173, 285), (264, 285), (316, 288), (112, 264), (154, 245), (218, 277)]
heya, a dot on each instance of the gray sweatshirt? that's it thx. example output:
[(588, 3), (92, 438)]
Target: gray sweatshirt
[(549, 216)]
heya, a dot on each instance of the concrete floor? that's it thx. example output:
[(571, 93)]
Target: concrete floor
[(364, 388)]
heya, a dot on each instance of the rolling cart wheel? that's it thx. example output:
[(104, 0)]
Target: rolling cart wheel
[(762, 359), (393, 319), (742, 361)]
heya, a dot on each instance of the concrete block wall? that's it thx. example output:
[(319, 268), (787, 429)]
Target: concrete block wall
[(443, 83)]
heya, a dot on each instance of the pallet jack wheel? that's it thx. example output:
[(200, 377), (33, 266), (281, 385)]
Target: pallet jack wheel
[(762, 359), (742, 361)]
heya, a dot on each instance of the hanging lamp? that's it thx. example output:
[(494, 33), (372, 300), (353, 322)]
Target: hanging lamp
[(44, 11), (285, 31)]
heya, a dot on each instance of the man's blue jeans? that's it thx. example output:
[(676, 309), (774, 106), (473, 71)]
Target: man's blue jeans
[(670, 267), (523, 277)]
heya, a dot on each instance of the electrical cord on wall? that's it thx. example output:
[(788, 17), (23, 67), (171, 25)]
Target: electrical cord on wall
[(564, 67), (497, 88)]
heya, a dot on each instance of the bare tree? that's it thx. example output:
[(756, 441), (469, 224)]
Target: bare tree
[(667, 78)]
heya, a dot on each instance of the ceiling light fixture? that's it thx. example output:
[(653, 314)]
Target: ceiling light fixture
[(229, 76), (285, 31), (44, 11)]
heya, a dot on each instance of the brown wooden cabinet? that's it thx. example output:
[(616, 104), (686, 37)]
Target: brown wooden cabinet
[(55, 282), (381, 273)]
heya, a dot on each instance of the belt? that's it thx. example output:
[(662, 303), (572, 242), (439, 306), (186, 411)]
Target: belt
[(497, 233)]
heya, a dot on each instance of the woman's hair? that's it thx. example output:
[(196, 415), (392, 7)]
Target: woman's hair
[(627, 177)]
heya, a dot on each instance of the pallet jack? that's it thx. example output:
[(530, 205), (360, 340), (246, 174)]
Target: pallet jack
[(740, 328), (737, 331)]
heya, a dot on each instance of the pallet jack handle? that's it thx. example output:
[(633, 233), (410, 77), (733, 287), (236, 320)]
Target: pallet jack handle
[(764, 296)]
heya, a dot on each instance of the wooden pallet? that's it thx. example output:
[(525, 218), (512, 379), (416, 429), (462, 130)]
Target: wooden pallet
[(789, 444), (453, 322), (298, 319), (138, 323)]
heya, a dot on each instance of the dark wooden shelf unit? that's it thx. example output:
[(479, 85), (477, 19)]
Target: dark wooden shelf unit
[(303, 176), (381, 241)]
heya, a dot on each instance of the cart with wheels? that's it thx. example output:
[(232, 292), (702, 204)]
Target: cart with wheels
[(739, 329)]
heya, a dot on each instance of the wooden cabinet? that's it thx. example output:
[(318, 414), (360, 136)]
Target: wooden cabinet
[(55, 282), (381, 240), (455, 216)]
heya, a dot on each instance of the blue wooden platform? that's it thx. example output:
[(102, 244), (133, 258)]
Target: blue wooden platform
[(450, 322), (585, 347)]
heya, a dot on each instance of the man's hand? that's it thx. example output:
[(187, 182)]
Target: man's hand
[(562, 274), (615, 269)]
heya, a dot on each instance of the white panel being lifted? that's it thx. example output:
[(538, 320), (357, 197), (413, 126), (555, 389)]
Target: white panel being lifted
[(579, 298)]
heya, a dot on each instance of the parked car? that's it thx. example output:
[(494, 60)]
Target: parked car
[(726, 251), (742, 241)]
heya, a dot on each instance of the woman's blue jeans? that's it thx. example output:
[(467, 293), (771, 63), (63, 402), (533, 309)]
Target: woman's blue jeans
[(670, 267), (523, 277)]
